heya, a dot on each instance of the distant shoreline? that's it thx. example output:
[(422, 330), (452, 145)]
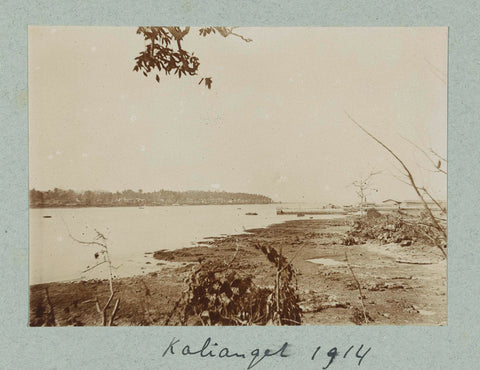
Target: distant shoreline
[(156, 205), (59, 198)]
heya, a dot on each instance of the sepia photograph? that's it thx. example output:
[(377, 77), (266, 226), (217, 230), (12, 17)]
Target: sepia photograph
[(237, 176)]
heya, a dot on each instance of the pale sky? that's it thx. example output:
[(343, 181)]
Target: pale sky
[(274, 122)]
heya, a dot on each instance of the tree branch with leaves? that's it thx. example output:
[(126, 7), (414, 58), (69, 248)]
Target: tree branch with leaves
[(164, 52)]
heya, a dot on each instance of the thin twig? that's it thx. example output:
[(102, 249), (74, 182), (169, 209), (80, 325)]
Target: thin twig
[(242, 37), (174, 309), (107, 260), (438, 155), (414, 263), (434, 67), (294, 321), (52, 312), (436, 71), (97, 304), (423, 231), (410, 177), (358, 287), (399, 179), (110, 322), (279, 271), (81, 241), (434, 200), (225, 31), (294, 256), (435, 165), (234, 255), (91, 268), (103, 311)]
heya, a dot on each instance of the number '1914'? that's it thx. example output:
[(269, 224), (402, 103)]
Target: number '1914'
[(333, 353)]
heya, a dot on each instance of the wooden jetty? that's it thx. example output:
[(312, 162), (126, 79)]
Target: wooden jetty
[(311, 211)]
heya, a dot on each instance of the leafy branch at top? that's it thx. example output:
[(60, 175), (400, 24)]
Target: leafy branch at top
[(164, 51), (161, 54)]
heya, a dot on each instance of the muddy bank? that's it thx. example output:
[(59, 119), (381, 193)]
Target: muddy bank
[(401, 285)]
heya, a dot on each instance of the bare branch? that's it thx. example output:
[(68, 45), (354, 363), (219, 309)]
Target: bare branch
[(400, 179), (414, 262), (410, 177), (103, 245), (433, 171), (292, 321), (358, 287), (427, 235), (87, 243), (100, 235), (435, 165), (374, 173), (434, 200), (365, 187), (400, 171), (242, 37), (97, 304), (115, 308), (234, 255), (51, 314), (225, 31), (434, 67), (106, 256), (91, 268), (289, 263), (437, 72), (438, 155), (104, 314)]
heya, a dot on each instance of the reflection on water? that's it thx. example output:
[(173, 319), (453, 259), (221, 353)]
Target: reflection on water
[(132, 233)]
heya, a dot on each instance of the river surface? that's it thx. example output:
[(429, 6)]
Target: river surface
[(132, 235)]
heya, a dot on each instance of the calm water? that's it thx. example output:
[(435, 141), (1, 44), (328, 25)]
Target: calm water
[(131, 232)]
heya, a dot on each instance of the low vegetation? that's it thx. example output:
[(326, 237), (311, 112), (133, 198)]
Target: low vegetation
[(221, 294), (394, 228), (69, 198)]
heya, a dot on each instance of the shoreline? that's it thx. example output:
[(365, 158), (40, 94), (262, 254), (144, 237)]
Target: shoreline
[(396, 293), (205, 241), (149, 205)]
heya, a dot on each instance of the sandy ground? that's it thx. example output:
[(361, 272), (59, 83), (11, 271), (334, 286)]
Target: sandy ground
[(400, 285)]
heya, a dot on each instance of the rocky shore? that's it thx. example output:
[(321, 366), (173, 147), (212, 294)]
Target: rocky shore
[(401, 285)]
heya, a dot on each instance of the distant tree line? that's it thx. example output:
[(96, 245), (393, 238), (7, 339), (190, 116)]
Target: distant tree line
[(69, 198)]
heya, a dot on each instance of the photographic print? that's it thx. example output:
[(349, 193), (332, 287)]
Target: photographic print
[(237, 176)]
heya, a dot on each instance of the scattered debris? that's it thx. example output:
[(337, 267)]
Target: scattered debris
[(358, 316), (382, 286), (349, 240), (326, 262), (372, 213), (416, 262), (319, 302), (392, 228)]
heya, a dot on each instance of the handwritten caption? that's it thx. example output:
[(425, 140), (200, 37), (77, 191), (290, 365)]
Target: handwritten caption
[(211, 349)]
